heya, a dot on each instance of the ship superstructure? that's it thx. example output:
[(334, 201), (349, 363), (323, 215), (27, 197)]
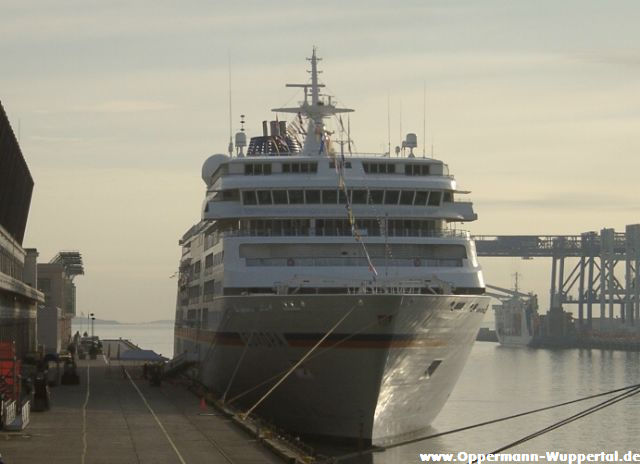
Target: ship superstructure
[(349, 261)]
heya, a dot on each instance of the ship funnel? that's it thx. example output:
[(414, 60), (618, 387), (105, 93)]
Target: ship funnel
[(275, 129), (265, 131), (283, 128)]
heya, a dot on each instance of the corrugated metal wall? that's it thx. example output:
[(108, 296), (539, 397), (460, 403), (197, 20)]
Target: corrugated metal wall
[(16, 183)]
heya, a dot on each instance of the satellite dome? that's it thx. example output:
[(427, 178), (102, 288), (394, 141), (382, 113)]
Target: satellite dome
[(210, 166)]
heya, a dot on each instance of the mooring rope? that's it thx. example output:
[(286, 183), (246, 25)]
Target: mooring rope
[(315, 355), (296, 365), (628, 392)]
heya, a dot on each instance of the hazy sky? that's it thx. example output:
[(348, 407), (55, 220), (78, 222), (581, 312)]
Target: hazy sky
[(534, 105)]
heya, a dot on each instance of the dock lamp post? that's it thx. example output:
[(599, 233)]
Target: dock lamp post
[(93, 318)]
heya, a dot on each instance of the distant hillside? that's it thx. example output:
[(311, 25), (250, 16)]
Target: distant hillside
[(83, 320)]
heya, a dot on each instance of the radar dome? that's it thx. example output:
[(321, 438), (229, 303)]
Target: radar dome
[(210, 166)]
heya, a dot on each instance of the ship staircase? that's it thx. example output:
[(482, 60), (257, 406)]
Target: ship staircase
[(179, 364)]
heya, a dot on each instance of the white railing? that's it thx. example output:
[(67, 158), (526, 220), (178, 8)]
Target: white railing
[(8, 412), (353, 261), (341, 233)]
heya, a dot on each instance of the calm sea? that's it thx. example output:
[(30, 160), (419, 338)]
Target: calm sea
[(154, 336), (499, 381)]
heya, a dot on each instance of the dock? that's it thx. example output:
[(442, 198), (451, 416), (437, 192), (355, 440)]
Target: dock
[(116, 416)]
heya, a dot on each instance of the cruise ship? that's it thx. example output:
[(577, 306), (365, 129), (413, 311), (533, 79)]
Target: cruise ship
[(329, 292)]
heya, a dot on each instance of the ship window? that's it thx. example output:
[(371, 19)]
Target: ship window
[(230, 195), (279, 197), (249, 198), (359, 197), (406, 197), (264, 197), (208, 287), (376, 197), (255, 169), (391, 197), (296, 197), (432, 368), (447, 197), (297, 168), (342, 198), (379, 168), (434, 198), (421, 198), (329, 197), (416, 169), (208, 261), (312, 196)]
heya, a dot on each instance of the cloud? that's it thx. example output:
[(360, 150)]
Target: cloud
[(601, 201), (617, 57), (113, 106)]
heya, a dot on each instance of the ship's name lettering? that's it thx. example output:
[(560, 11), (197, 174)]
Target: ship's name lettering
[(262, 339)]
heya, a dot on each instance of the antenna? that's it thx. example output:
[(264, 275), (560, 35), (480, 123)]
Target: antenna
[(401, 138), (424, 117), (230, 107), (349, 133), (388, 124)]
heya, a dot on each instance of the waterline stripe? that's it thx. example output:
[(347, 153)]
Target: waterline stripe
[(144, 400)]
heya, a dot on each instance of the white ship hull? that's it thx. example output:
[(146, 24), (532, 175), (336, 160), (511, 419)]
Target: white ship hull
[(384, 373)]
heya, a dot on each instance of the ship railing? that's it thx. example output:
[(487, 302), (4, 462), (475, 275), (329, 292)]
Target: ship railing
[(352, 261), (340, 232)]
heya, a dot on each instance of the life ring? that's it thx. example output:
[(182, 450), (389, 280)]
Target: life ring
[(417, 262), (290, 262)]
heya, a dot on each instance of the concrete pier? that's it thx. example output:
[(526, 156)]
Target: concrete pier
[(113, 417)]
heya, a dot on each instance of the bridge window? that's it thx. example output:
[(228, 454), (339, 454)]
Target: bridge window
[(264, 197), (256, 169), (299, 168), (342, 198), (376, 197), (330, 197), (406, 197), (312, 197), (391, 197), (434, 198), (359, 197), (416, 169), (280, 197), (447, 197), (296, 197), (379, 168), (249, 198), (421, 198)]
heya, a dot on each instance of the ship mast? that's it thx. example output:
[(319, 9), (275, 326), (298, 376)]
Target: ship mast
[(316, 111)]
